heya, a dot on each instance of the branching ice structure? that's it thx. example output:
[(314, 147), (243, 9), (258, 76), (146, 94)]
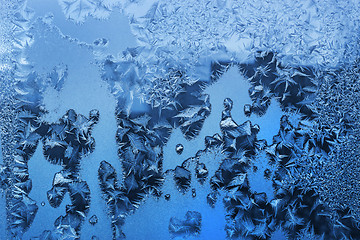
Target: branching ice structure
[(300, 63)]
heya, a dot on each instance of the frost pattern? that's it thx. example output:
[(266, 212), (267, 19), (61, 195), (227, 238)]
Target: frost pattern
[(295, 53), (64, 143), (336, 127), (302, 32), (79, 10), (190, 226)]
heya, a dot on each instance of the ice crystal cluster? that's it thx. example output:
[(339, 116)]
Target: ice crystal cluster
[(155, 119)]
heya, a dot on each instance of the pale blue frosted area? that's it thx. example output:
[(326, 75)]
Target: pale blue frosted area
[(42, 174), (269, 123), (171, 158), (256, 178), (156, 213), (83, 91), (233, 85), (115, 29)]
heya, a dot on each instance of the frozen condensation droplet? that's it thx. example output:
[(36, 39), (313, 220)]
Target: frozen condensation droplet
[(193, 192), (179, 148), (93, 220), (247, 110), (267, 173)]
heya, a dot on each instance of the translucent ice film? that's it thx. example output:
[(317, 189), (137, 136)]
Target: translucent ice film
[(179, 119)]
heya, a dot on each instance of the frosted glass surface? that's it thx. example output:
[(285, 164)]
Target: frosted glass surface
[(169, 119)]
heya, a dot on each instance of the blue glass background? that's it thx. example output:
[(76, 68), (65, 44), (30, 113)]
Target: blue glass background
[(157, 119)]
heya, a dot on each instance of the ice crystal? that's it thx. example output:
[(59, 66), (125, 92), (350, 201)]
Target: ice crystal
[(182, 178), (295, 55), (335, 131), (190, 226), (302, 35), (179, 148), (79, 10)]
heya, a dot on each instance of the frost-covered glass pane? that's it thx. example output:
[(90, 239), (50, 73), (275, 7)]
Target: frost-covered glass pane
[(168, 119)]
